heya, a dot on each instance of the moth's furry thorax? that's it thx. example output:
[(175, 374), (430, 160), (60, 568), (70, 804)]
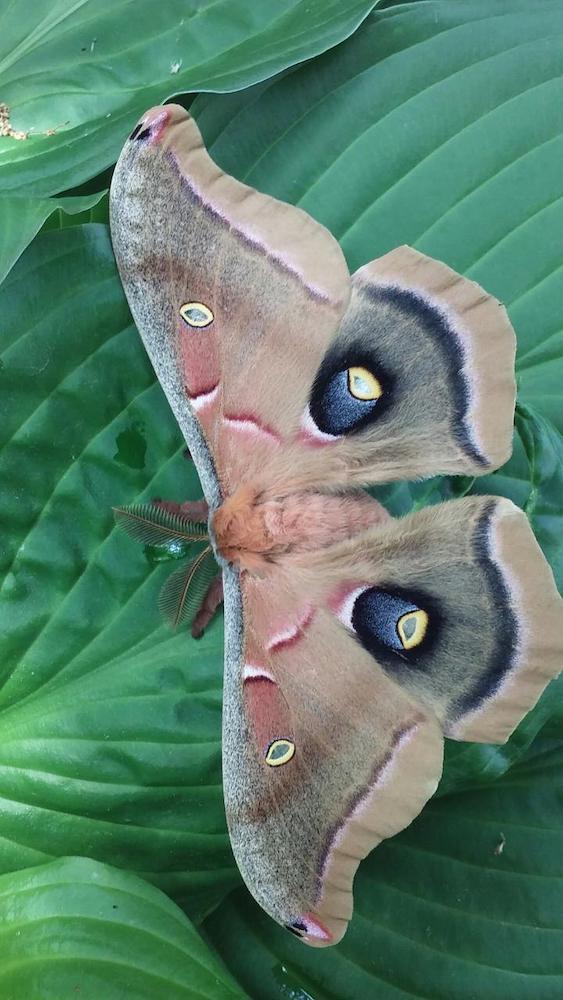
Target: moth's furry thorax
[(253, 529)]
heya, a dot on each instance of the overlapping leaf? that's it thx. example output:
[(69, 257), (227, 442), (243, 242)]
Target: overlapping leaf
[(22, 217), (78, 928)]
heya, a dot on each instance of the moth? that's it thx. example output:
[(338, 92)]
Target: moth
[(353, 641)]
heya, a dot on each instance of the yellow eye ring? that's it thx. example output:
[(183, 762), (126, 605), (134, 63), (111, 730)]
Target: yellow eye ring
[(412, 627), (280, 752), (196, 314), (362, 384)]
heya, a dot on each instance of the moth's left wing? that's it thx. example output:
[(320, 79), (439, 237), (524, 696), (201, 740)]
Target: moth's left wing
[(351, 667)]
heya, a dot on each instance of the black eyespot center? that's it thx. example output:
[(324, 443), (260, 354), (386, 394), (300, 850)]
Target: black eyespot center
[(136, 131)]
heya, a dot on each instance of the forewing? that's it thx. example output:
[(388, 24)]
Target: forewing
[(235, 294), (244, 305)]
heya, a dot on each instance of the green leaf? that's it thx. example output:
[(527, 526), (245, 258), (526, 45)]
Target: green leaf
[(89, 70), (22, 217), (78, 928), (465, 903), (109, 723), (544, 450)]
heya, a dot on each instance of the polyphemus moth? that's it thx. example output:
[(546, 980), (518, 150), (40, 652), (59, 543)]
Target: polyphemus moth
[(353, 641)]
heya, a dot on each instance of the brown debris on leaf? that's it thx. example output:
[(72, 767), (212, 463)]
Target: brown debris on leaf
[(7, 130), (6, 127)]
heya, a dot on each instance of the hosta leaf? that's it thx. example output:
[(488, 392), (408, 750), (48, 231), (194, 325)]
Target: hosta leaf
[(22, 217), (78, 928), (88, 70), (109, 723), (465, 904), (543, 445), (533, 478)]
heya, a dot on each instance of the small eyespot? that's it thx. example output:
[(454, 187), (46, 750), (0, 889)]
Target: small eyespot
[(136, 131), (363, 385), (411, 628), (280, 752), (196, 314)]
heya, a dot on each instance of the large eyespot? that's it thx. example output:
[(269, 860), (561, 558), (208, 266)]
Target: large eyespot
[(346, 399), (392, 620), (196, 314), (394, 625), (280, 752)]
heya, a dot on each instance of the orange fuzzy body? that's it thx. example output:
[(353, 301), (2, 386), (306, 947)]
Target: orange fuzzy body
[(252, 530)]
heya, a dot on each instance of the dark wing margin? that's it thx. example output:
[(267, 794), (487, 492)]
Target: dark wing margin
[(522, 582)]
